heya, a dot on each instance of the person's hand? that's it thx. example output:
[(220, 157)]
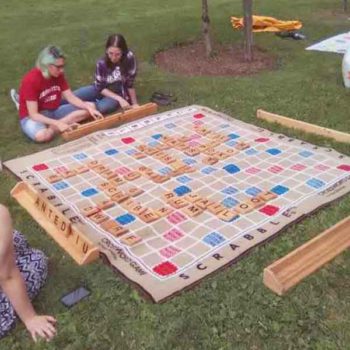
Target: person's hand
[(124, 104), (135, 105), (41, 326), (95, 113), (61, 126)]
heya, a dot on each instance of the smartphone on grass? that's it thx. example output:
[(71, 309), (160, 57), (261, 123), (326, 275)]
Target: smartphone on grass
[(75, 296)]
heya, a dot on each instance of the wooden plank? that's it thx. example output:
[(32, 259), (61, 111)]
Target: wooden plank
[(74, 242), (303, 126), (288, 271), (110, 121)]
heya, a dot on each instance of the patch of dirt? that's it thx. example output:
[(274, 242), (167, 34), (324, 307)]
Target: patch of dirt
[(190, 60)]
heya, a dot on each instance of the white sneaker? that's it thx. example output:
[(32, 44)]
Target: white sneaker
[(15, 97)]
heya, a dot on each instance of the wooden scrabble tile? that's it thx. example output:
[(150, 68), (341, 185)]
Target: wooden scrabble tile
[(192, 210), (221, 155), (134, 191), (129, 203), (133, 175), (159, 179), (139, 155), (117, 181), (231, 152), (192, 151), (184, 138), (177, 203), (164, 211), (90, 210), (117, 231), (210, 151), (188, 169), (168, 160), (255, 202), (105, 204), (192, 197), (177, 164), (150, 150), (98, 218), (210, 160), (267, 196), (137, 209), (215, 208), (202, 148), (227, 215), (69, 173), (104, 185), (100, 169), (169, 195), (148, 216), (141, 148), (119, 197), (92, 164), (131, 239), (109, 174), (81, 169), (53, 178), (143, 169), (111, 191), (243, 208), (162, 147), (108, 224), (204, 203), (160, 155), (241, 146)]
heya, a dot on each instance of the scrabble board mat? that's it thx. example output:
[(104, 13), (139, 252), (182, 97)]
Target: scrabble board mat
[(184, 192)]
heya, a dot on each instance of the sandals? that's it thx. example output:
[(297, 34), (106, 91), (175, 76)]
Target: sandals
[(162, 99)]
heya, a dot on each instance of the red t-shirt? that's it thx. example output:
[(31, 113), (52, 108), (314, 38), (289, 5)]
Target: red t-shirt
[(47, 92)]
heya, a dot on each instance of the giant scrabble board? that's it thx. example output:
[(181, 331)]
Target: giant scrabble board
[(175, 196)]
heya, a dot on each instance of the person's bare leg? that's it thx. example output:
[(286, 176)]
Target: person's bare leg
[(76, 117), (45, 135)]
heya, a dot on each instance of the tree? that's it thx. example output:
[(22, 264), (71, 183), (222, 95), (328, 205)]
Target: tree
[(206, 28), (248, 30)]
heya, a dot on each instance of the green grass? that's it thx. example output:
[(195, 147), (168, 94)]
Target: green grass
[(232, 309)]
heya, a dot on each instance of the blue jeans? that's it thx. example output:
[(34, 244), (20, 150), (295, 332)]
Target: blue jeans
[(103, 104), (31, 127)]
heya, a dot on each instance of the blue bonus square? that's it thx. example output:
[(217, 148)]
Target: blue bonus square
[(111, 152), (306, 154), (184, 179), (170, 126), (233, 136), (231, 143), (229, 202), (230, 190), (157, 136), (60, 185), (251, 152), (189, 161), (253, 191), (232, 169), (89, 192), (213, 239), (315, 183), (279, 189), (208, 170), (130, 152), (182, 190), (224, 126), (274, 151), (80, 156), (125, 219), (153, 144), (165, 170)]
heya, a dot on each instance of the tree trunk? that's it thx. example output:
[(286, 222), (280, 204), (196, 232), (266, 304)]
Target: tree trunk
[(205, 28), (248, 33)]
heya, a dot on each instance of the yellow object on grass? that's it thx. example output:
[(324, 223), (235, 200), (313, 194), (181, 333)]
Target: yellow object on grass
[(267, 24)]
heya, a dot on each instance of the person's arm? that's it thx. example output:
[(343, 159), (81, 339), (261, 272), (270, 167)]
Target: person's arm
[(108, 93), (77, 102), (32, 107), (13, 285), (133, 98)]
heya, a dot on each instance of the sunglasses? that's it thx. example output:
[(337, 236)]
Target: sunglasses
[(58, 66)]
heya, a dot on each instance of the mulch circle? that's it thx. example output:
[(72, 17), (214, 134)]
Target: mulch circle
[(190, 59)]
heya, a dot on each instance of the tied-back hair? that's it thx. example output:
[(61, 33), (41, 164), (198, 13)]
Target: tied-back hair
[(116, 40), (48, 56)]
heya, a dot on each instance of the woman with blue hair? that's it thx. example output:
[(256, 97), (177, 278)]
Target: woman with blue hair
[(40, 110)]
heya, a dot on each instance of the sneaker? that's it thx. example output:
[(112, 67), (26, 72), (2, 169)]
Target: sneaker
[(15, 97)]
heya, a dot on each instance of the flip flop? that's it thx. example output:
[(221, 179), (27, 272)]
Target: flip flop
[(162, 99)]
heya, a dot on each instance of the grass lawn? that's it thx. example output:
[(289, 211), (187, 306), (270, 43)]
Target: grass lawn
[(232, 309)]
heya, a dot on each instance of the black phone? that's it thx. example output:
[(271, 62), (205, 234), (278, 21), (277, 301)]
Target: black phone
[(75, 296)]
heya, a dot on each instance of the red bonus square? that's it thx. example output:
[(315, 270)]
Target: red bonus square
[(269, 210), (40, 167), (262, 139), (344, 167), (165, 269), (128, 140), (199, 116)]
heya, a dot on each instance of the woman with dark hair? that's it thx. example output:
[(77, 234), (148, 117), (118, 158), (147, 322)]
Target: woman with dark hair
[(115, 73), (23, 271), (42, 88)]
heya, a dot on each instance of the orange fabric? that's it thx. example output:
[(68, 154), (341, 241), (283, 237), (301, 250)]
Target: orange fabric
[(267, 24)]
